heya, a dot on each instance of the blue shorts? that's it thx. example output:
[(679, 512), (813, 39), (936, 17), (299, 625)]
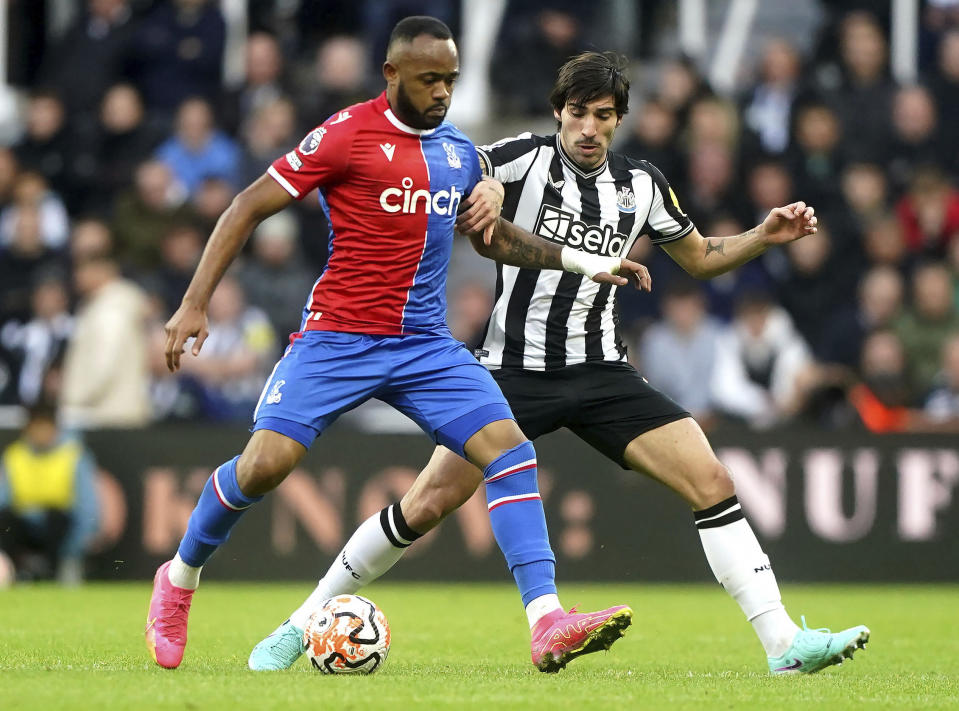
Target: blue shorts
[(432, 379)]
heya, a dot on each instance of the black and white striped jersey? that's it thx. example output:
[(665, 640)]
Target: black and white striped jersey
[(547, 319)]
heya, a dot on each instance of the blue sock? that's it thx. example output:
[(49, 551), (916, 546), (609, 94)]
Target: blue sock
[(519, 523), (220, 506)]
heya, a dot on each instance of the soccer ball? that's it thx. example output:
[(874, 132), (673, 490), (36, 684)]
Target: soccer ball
[(347, 635)]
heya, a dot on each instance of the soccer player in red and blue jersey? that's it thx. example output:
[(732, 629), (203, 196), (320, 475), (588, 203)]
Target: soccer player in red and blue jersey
[(392, 177)]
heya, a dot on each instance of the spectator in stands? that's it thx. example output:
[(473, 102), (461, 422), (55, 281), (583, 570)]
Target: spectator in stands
[(180, 251), (9, 170), (916, 140), (679, 85), (817, 156), (124, 138), (146, 212), (198, 149), (22, 261), (884, 243), (712, 121), (712, 188), (105, 378), (865, 191), (274, 278), (90, 236), (31, 194), (929, 213), (677, 353), (40, 341), (933, 318), (49, 510), (884, 393), (764, 370), (178, 53), (863, 99), (768, 106), (268, 132), (944, 85), (535, 45), (339, 78), (210, 200), (653, 137), (93, 54), (236, 358), (48, 148), (263, 84), (879, 302), (942, 404)]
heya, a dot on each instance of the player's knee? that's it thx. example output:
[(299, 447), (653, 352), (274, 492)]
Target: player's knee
[(261, 470), (713, 485)]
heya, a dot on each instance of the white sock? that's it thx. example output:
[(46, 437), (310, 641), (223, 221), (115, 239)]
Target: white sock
[(739, 564), (183, 575), (375, 547), (540, 607)]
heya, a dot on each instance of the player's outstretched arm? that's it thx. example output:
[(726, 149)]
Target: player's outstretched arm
[(706, 257), (515, 246), (260, 200)]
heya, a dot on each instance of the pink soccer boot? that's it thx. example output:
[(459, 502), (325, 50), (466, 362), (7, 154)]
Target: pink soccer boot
[(559, 637), (166, 619)]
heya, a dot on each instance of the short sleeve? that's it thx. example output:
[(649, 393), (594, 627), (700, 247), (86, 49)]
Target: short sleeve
[(319, 159), (666, 221), (509, 159), (474, 170)]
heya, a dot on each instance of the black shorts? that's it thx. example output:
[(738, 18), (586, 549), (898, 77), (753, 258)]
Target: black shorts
[(605, 403)]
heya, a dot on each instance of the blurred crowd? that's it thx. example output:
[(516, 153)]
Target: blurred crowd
[(127, 144)]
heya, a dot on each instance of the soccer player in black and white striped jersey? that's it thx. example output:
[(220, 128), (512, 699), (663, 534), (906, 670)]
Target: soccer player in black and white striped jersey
[(552, 347)]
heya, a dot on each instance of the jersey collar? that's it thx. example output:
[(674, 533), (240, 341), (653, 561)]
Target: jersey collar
[(391, 117), (572, 164)]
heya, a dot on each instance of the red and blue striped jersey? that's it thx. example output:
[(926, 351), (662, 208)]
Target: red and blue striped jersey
[(391, 193)]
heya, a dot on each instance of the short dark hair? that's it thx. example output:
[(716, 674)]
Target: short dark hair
[(590, 76), (409, 28)]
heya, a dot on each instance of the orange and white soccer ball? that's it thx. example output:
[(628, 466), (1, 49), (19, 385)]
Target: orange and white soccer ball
[(348, 634)]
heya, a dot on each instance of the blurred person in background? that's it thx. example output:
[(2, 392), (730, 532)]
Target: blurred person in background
[(267, 131), (178, 53), (90, 236), (944, 84), (768, 105), (879, 302), (22, 260), (264, 82), (9, 170), (40, 341), (916, 141), (105, 378), (147, 211), (712, 188), (764, 370), (653, 136), (883, 396), (48, 146), (210, 200), (32, 194), (865, 192), (678, 85), (677, 353), (180, 250), (816, 157), (198, 149), (49, 510), (237, 356), (91, 55), (123, 138), (942, 404), (929, 213), (338, 77), (931, 319), (864, 96), (274, 277), (883, 243)]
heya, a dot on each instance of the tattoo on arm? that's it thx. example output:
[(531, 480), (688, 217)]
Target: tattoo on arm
[(514, 246), (719, 247)]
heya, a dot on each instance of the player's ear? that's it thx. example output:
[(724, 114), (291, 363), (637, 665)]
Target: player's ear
[(390, 72), (556, 115)]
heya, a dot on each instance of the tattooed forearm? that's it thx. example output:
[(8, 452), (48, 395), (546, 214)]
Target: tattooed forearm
[(719, 247), (517, 247)]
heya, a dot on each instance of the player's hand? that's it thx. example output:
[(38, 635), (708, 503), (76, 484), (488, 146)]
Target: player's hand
[(789, 223), (628, 272), (480, 210), (189, 321)]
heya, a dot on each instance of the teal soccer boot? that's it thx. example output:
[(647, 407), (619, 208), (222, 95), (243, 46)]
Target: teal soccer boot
[(278, 651), (813, 650)]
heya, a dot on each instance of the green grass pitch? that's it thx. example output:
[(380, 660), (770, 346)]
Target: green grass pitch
[(466, 646)]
